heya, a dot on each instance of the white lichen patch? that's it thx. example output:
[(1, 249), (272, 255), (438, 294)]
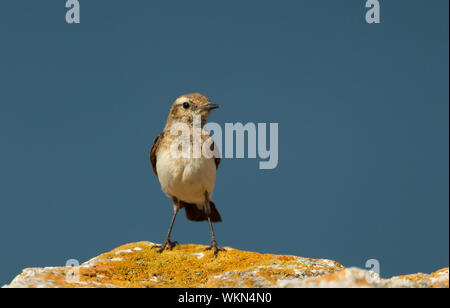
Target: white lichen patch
[(199, 255), (120, 252)]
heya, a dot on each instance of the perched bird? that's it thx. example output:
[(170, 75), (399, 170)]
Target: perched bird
[(188, 181)]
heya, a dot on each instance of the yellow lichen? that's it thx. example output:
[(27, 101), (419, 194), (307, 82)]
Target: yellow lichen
[(184, 266)]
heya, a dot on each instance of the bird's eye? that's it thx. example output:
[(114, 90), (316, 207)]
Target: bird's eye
[(185, 105)]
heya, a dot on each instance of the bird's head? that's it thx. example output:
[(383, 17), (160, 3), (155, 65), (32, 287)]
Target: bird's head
[(189, 105)]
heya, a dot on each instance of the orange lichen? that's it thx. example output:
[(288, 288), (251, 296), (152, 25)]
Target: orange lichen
[(286, 258), (438, 279)]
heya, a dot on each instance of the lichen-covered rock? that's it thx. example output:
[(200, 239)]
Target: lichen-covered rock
[(138, 265), (438, 279), (358, 278)]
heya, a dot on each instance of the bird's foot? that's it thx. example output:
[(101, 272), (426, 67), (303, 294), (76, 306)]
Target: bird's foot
[(216, 248), (167, 244)]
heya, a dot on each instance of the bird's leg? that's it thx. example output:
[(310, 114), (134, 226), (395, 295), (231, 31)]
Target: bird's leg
[(168, 243), (216, 248)]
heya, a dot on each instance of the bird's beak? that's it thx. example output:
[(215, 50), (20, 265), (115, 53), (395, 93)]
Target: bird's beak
[(209, 107)]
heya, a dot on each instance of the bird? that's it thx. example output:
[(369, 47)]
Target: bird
[(187, 180)]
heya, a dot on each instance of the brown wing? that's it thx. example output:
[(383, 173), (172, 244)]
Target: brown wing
[(153, 151), (216, 159)]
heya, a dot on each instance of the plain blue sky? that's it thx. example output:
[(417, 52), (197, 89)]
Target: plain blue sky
[(363, 113)]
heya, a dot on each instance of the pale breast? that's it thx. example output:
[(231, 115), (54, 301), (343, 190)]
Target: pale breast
[(187, 179)]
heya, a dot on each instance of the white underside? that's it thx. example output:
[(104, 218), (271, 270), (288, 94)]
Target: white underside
[(186, 179)]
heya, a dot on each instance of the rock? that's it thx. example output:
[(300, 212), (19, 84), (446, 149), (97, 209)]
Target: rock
[(138, 265), (358, 278)]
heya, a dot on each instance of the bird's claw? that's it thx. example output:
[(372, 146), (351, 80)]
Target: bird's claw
[(167, 244), (216, 248)]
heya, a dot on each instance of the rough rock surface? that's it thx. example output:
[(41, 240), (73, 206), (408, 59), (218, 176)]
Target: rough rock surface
[(138, 265)]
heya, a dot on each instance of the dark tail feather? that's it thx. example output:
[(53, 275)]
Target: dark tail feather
[(215, 216), (195, 214)]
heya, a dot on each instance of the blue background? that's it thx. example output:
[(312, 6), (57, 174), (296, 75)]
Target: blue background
[(362, 109)]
